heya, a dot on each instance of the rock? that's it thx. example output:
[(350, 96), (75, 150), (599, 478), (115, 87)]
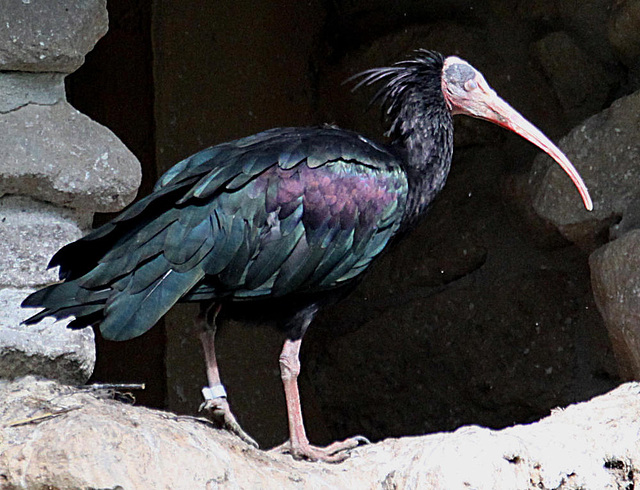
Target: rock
[(586, 21), (506, 348), (606, 151), (522, 216), (47, 349), (464, 308), (615, 275), (18, 89), (539, 10), (30, 233), (49, 35), (57, 154), (630, 220), (61, 437), (581, 83), (624, 31)]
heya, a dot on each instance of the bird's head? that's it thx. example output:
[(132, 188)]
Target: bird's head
[(463, 90), (466, 92)]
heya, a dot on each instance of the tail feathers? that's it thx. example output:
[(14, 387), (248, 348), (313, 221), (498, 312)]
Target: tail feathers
[(134, 310), (65, 294), (78, 311), (63, 300), (122, 312)]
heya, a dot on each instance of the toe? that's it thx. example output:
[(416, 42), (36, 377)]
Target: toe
[(347, 444), (334, 453), (220, 412)]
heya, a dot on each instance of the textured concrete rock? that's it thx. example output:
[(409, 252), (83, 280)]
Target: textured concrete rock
[(606, 151), (59, 155), (47, 349), (56, 436), (49, 35), (18, 89), (30, 233), (581, 83), (615, 275)]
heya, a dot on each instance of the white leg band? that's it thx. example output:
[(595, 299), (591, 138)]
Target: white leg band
[(212, 392)]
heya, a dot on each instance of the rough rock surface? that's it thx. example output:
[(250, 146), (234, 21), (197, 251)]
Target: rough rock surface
[(58, 167), (47, 349), (606, 151), (615, 275), (580, 82), (30, 233), (49, 35), (18, 89), (57, 154), (55, 436)]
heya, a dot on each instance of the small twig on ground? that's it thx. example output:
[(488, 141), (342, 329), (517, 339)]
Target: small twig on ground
[(41, 418), (113, 386)]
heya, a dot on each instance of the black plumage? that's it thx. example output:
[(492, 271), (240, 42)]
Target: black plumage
[(293, 214), (290, 210)]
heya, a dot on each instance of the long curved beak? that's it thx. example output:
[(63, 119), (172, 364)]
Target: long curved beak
[(502, 114)]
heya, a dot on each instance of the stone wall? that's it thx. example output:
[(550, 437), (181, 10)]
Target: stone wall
[(58, 168)]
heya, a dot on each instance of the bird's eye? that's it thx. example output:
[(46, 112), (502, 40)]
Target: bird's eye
[(470, 85)]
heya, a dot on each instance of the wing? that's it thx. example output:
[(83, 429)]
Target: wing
[(305, 229), (287, 210)]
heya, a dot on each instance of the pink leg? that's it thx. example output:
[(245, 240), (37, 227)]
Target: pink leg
[(298, 444), (289, 371), (215, 395), (207, 337)]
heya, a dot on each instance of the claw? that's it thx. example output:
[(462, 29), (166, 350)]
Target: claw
[(362, 440), (220, 412), (336, 452)]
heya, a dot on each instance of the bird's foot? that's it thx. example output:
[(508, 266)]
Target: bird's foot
[(333, 453), (219, 411)]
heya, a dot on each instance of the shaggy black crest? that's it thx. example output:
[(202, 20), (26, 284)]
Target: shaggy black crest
[(417, 77)]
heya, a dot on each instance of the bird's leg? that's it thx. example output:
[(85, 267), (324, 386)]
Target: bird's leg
[(298, 445), (215, 395)]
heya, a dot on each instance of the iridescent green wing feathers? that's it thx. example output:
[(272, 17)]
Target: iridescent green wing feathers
[(286, 211)]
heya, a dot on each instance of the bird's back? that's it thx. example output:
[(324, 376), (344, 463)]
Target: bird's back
[(290, 210)]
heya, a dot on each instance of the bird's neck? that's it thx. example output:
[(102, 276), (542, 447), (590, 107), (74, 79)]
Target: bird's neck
[(426, 134)]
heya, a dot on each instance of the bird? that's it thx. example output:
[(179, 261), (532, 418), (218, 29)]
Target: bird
[(288, 220)]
